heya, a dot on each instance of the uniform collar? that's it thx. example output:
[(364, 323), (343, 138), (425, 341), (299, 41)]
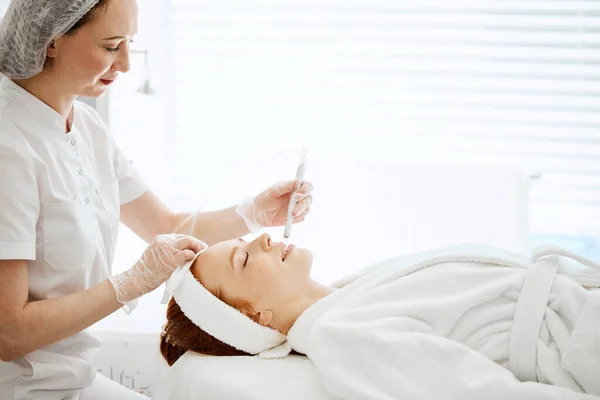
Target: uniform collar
[(37, 108)]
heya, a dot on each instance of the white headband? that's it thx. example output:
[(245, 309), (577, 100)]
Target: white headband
[(220, 320)]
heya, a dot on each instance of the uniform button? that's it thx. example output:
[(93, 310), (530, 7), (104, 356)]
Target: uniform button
[(80, 172), (73, 142), (87, 200)]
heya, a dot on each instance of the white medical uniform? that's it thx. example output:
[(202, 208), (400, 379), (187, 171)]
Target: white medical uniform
[(456, 324), (59, 209)]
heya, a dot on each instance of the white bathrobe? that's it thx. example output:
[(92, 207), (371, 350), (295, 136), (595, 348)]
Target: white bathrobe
[(459, 323)]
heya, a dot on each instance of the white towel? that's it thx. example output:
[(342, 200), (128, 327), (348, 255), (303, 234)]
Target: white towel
[(220, 320)]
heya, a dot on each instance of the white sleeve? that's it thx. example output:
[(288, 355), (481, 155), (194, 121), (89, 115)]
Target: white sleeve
[(131, 185), (19, 203), (388, 363)]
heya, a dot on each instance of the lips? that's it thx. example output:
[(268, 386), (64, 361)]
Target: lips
[(107, 81), (287, 251)]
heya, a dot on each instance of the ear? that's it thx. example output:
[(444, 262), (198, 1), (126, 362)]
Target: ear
[(260, 317), (51, 50), (264, 317)]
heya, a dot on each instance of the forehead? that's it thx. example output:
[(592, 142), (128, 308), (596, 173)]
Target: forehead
[(116, 18), (219, 252), (213, 264)]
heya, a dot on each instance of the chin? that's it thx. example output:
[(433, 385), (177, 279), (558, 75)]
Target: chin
[(94, 92), (309, 255), (306, 259)]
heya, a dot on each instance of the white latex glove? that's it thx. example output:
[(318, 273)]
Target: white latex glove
[(269, 208), (161, 258)]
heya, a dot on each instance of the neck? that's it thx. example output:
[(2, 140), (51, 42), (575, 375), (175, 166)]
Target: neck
[(288, 313), (49, 90)]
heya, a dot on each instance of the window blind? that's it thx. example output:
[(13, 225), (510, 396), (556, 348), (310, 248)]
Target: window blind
[(508, 82)]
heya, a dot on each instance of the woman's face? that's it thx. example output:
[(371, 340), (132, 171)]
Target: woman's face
[(259, 273), (90, 59)]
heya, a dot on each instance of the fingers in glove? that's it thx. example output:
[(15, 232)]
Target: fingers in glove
[(180, 258), (302, 216), (175, 236), (166, 241), (303, 191), (198, 245), (190, 243), (302, 205), (165, 256), (283, 188), (184, 256)]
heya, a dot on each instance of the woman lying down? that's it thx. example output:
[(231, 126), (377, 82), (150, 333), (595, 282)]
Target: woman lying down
[(467, 322)]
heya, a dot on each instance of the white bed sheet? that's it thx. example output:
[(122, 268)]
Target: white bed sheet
[(195, 376)]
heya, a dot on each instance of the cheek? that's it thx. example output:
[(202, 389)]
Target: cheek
[(99, 63), (91, 62), (263, 280), (262, 285)]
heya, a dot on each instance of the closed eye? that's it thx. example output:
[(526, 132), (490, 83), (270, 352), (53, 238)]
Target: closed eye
[(246, 260), (115, 49)]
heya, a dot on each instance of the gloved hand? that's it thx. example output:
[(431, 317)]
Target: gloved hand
[(269, 208), (161, 258)]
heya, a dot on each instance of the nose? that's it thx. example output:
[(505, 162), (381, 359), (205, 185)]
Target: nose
[(122, 63), (265, 241)]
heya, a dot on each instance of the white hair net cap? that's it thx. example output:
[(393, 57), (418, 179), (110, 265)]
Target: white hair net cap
[(28, 28)]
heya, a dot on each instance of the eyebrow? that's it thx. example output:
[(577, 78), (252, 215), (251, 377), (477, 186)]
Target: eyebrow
[(118, 37), (233, 251)]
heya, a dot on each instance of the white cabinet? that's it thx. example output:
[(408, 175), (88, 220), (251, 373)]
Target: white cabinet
[(132, 359)]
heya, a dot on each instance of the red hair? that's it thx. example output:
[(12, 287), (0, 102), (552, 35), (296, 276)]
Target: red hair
[(180, 334)]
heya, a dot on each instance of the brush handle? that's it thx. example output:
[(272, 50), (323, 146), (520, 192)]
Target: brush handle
[(289, 222)]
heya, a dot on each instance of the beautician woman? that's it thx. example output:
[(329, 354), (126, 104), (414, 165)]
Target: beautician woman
[(64, 187)]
